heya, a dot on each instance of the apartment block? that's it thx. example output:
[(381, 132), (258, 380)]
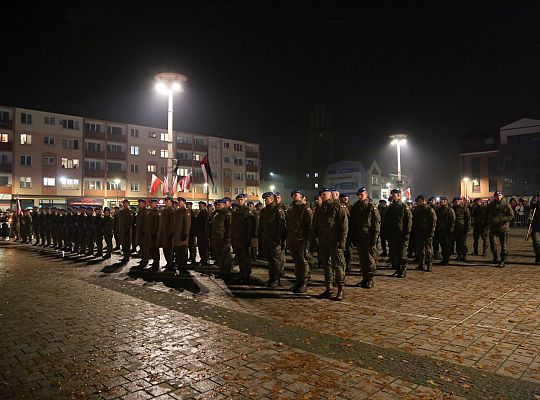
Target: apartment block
[(58, 159)]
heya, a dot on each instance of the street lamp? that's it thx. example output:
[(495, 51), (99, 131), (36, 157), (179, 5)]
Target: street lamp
[(465, 183), (168, 83), (398, 140)]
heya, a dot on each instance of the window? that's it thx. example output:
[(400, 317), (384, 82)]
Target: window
[(112, 185), (70, 183), (4, 159), (4, 116), (227, 174), (49, 120), (238, 161), (151, 152), (135, 186), (375, 194), (475, 167), (48, 141), (114, 167), (48, 160), (164, 136), (134, 168), (238, 147), (214, 189), (316, 186), (252, 191), (4, 181), (374, 180), (164, 153), (198, 141), (134, 133), (26, 138), (49, 182), (238, 176), (93, 185), (182, 171), (114, 130), (26, 160), (152, 134), (70, 124), (91, 146), (252, 176), (183, 156), (92, 127), (26, 118), (4, 138), (251, 163), (25, 182), (307, 175), (226, 160), (226, 145), (197, 157), (492, 167), (227, 189), (238, 190), (92, 165), (475, 186), (493, 184), (134, 151), (70, 163), (315, 174), (152, 167), (182, 140), (163, 171), (114, 148), (70, 144)]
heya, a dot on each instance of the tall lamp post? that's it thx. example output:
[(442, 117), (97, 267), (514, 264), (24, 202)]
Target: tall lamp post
[(398, 140), (168, 83), (466, 184)]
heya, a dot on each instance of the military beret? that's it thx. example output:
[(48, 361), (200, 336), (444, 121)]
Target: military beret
[(141, 201), (382, 201), (325, 189), (421, 197), (241, 196), (234, 204), (181, 199), (202, 202), (227, 199), (394, 191), (267, 194), (443, 198), (45, 207), (168, 198), (154, 201), (98, 208), (250, 203), (293, 192), (431, 198), (221, 201), (361, 190), (116, 208), (35, 207), (456, 198), (277, 194), (106, 209), (497, 193), (125, 201), (342, 195), (89, 208), (189, 203), (175, 201), (477, 199)]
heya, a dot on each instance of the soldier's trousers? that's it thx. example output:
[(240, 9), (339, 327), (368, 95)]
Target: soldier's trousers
[(223, 255), (272, 253), (282, 258), (90, 242), (244, 260), (445, 240), (108, 242), (536, 243), (502, 236), (36, 234), (367, 254), (153, 253), (116, 240), (460, 237), (144, 252), (299, 255), (192, 244), (181, 256), (126, 246), (398, 251), (383, 243), (480, 232), (99, 243), (82, 241), (347, 253), (333, 262), (202, 245), (169, 255), (424, 249)]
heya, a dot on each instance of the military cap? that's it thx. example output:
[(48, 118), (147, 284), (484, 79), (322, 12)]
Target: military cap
[(361, 190), (35, 207), (456, 198), (443, 198), (221, 201), (395, 191), (98, 208), (326, 189), (498, 193), (421, 197), (431, 198), (106, 209), (181, 199), (277, 194), (382, 201), (342, 195), (168, 198), (234, 204), (202, 202), (189, 203), (267, 194), (141, 201), (175, 201), (227, 198), (250, 203), (154, 201), (293, 192), (125, 201), (241, 196), (477, 199)]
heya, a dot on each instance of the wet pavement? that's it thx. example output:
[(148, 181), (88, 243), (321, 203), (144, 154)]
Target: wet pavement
[(77, 327)]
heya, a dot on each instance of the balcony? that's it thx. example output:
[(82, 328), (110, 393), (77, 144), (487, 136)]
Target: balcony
[(112, 175), (116, 155), (7, 189), (200, 147), (94, 153), (252, 168), (6, 167), (184, 162), (6, 123), (183, 146), (252, 154), (6, 146), (115, 137), (252, 182), (94, 173), (94, 135)]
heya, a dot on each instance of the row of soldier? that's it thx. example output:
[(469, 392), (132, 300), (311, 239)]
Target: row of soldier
[(331, 227)]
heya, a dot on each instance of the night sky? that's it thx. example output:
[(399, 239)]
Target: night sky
[(255, 71)]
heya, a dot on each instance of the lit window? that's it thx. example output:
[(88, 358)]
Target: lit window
[(316, 175), (152, 167), (4, 138), (164, 136), (135, 186), (164, 153), (26, 138), (316, 186), (307, 175), (134, 151), (151, 152), (197, 157), (70, 183), (25, 182), (49, 182), (70, 163)]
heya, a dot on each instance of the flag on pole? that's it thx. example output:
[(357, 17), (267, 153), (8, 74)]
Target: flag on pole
[(18, 210), (407, 193), (206, 170), (185, 183), (174, 185), (165, 189), (155, 184)]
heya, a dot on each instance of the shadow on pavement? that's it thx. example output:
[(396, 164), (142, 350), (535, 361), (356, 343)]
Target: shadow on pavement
[(180, 281)]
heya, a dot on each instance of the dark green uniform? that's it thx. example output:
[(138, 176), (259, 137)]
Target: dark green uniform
[(151, 236), (25, 227), (108, 232), (479, 224), (499, 215), (271, 236), (140, 233), (382, 235), (424, 222), (220, 239), (397, 227), (35, 224), (90, 231), (461, 228), (446, 219), (125, 222), (201, 229), (99, 225), (166, 234), (298, 223), (242, 231), (364, 229)]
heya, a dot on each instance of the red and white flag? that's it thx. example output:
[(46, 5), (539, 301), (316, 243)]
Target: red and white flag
[(18, 210), (155, 184), (407, 193), (165, 186), (174, 185), (184, 184)]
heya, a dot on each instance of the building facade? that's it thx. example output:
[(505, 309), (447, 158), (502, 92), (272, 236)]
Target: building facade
[(348, 176), (51, 158)]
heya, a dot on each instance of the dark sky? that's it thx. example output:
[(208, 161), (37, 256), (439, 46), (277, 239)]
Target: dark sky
[(256, 70)]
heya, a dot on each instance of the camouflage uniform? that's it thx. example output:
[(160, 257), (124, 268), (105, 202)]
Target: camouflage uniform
[(424, 222), (499, 215), (271, 236), (446, 219), (242, 231), (397, 228), (479, 223), (364, 229), (461, 228), (220, 239), (298, 223)]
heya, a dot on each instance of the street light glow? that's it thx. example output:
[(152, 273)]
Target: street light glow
[(177, 87), (271, 174), (465, 179), (63, 180), (272, 187), (162, 88), (117, 181)]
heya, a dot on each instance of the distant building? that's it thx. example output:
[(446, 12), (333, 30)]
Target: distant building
[(348, 176)]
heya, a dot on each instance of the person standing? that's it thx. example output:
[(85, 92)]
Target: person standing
[(89, 231), (99, 225), (278, 201), (479, 223), (348, 251), (499, 216), (151, 235), (108, 231), (364, 228), (461, 228), (116, 214), (35, 224), (141, 232), (125, 222), (181, 226), (298, 223), (424, 222), (383, 207), (535, 227), (242, 231), (272, 235), (397, 228), (330, 227), (201, 228), (220, 238), (166, 232), (444, 230)]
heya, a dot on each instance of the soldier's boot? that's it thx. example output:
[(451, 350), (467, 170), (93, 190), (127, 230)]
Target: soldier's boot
[(475, 252), (464, 258), (421, 267), (302, 288), (348, 268), (369, 283), (428, 267), (340, 295), (327, 294), (484, 250), (501, 263), (402, 272), (495, 260), (537, 259)]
